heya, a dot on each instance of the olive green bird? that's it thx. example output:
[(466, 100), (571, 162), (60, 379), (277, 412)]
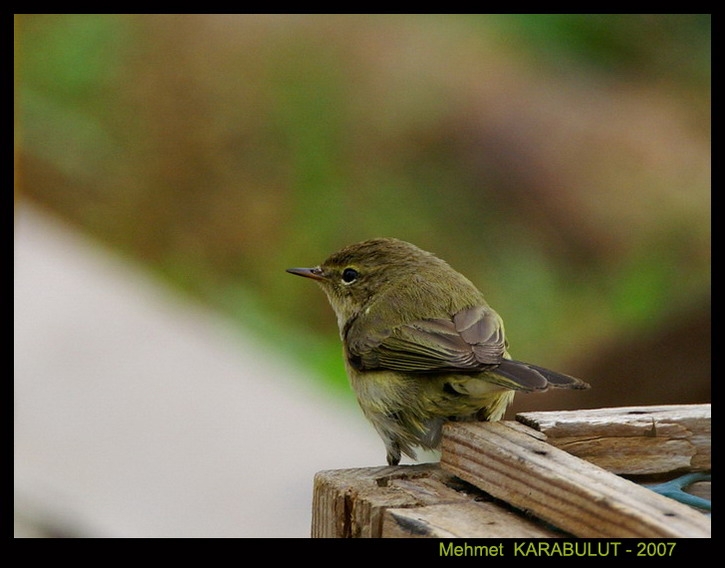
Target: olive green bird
[(421, 345)]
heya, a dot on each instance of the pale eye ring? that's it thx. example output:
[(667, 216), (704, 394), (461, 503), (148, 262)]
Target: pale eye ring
[(349, 275)]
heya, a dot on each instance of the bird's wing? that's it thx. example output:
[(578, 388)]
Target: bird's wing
[(469, 341)]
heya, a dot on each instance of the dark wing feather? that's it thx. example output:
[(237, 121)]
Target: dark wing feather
[(472, 340)]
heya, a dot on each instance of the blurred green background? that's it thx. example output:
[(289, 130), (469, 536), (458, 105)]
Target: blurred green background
[(561, 162)]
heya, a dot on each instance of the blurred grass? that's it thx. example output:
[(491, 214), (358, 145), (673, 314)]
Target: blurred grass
[(561, 161)]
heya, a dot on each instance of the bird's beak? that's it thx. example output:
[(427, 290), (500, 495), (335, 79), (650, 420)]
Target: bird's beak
[(314, 273)]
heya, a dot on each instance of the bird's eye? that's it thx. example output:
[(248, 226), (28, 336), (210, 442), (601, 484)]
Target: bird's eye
[(349, 275)]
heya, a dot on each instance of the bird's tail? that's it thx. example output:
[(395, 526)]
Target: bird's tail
[(525, 376)]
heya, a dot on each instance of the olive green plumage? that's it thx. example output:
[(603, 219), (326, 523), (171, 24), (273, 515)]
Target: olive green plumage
[(421, 344)]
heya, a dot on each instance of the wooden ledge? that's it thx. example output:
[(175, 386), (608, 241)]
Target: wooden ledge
[(553, 474), (411, 501), (632, 440)]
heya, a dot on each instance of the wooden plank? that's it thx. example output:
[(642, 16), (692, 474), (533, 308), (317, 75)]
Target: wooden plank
[(637, 440), (505, 460), (348, 503), (472, 519), (420, 500)]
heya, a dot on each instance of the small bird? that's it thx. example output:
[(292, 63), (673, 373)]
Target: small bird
[(420, 343)]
